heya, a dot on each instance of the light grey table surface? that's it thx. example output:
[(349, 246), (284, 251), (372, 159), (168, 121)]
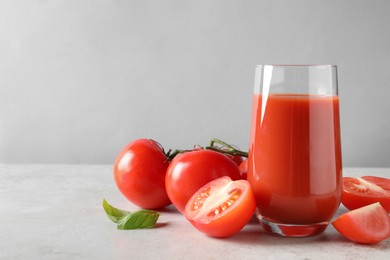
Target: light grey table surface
[(55, 212)]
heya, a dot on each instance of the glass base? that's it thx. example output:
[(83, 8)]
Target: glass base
[(292, 230)]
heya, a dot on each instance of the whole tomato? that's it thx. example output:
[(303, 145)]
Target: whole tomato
[(191, 170), (236, 158), (139, 173), (244, 169)]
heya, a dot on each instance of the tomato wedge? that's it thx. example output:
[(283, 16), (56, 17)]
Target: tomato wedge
[(366, 225), (359, 192), (222, 207)]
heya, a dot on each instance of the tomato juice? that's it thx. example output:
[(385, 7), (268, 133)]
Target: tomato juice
[(295, 167)]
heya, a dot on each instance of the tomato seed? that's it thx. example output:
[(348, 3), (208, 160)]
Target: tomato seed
[(225, 205), (359, 187), (199, 200)]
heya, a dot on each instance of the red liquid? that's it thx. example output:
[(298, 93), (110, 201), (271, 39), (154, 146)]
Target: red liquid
[(295, 165)]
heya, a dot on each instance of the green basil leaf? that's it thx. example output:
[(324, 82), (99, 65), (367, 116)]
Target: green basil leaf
[(113, 213), (138, 219)]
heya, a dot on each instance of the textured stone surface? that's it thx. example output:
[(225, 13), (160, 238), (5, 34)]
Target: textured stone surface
[(55, 212)]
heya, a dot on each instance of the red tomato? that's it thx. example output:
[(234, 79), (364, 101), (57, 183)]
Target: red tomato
[(235, 158), (359, 192), (366, 225), (244, 169), (222, 207), (139, 173), (191, 170)]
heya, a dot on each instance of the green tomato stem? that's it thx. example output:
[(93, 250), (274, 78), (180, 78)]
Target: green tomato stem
[(225, 148), (170, 155), (222, 147)]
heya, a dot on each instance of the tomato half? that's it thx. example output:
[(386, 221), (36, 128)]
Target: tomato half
[(139, 173), (366, 225), (191, 170), (359, 192), (222, 207)]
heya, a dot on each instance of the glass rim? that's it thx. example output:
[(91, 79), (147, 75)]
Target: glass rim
[(297, 65)]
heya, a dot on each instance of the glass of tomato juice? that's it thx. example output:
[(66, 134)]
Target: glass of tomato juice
[(294, 163)]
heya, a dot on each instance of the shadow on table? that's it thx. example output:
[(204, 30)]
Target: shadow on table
[(253, 234)]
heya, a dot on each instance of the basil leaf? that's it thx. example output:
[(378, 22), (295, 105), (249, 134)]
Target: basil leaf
[(138, 219), (113, 213)]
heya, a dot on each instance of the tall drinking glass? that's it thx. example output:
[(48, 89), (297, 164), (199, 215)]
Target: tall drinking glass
[(294, 164)]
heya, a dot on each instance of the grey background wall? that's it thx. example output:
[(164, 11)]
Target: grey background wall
[(80, 79)]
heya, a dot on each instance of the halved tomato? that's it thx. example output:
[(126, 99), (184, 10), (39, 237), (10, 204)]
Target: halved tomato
[(366, 225), (359, 192), (222, 207)]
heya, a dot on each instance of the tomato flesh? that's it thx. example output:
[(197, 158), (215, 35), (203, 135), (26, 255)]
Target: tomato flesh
[(222, 207), (366, 225), (359, 192)]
